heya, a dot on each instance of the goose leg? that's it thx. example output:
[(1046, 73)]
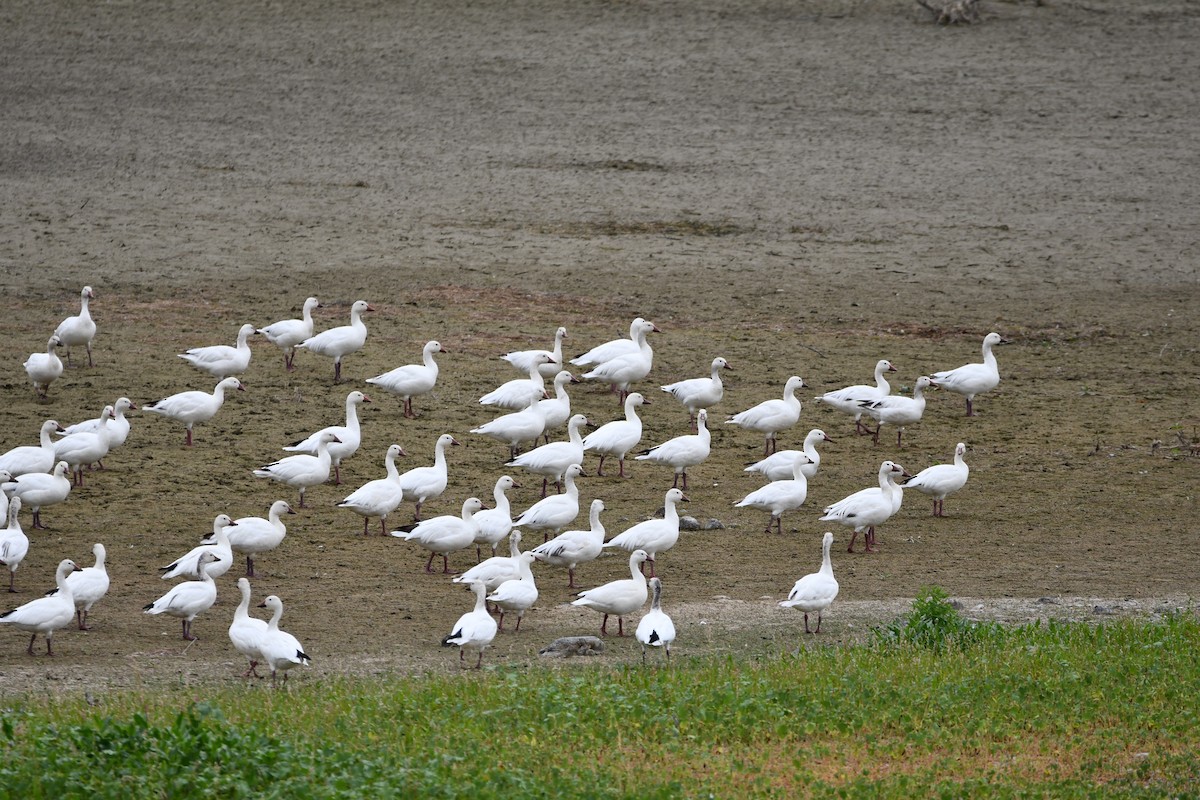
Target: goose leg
[(571, 575), (89, 349), (869, 539), (806, 629), (600, 469), (622, 474), (603, 628), (37, 520), (30, 648), (818, 622), (337, 370), (189, 435), (500, 622), (187, 631), (12, 576), (250, 567), (970, 408), (429, 563), (620, 626), (337, 474), (853, 536), (382, 526), (446, 567)]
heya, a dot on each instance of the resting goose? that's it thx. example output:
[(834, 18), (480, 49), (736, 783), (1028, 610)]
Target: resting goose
[(941, 480), (518, 393), (848, 399), (188, 599), (48, 613), (618, 598), (287, 333), (571, 548), (972, 379), (772, 416), (698, 393), (682, 451), (221, 360), (779, 496), (617, 347), (45, 368), (653, 536), (79, 329), (474, 630), (626, 369), (551, 460), (516, 428), (302, 471), (411, 379), (525, 360), (380, 497), (516, 594), (349, 437), (424, 483), (30, 458), (14, 544), (867, 508), (816, 591), (337, 343), (656, 628), (188, 566), (495, 523), (88, 586), (192, 407), (280, 650), (37, 489), (778, 465), (553, 513), (246, 632), (618, 437), (444, 535), (898, 410), (253, 535)]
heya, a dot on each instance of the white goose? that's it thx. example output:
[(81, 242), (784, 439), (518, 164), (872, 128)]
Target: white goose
[(626, 369), (340, 342), (618, 598), (551, 460), (79, 329), (616, 347), (898, 410), (495, 523), (516, 594), (772, 416), (85, 448), (867, 508), (555, 512), (287, 333), (779, 496), (444, 535), (253, 535), (682, 451), (525, 360), (656, 628), (246, 632), (14, 544), (497, 569), (618, 437), (474, 630), (188, 565), (424, 483), (516, 428), (556, 411), (380, 497), (195, 406), (698, 393), (848, 399), (221, 360), (412, 380), (816, 591), (302, 471), (778, 465), (30, 458), (188, 599), (972, 379), (517, 394), (941, 480), (653, 536), (571, 548), (349, 437), (116, 429), (45, 368), (37, 489), (88, 586), (48, 613), (280, 650)]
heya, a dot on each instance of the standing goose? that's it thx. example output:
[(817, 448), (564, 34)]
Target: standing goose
[(618, 598), (411, 379), (816, 591), (972, 379), (45, 368), (898, 410), (517, 393), (626, 369), (656, 628), (424, 483), (778, 465), (556, 411), (617, 347), (340, 342), (84, 448), (349, 436), (192, 407), (475, 629), (698, 393), (88, 586), (188, 566), (571, 548), (495, 523), (79, 329), (280, 650), (188, 599), (525, 360), (302, 471), (221, 360), (31, 458), (444, 535), (516, 428), (253, 535), (772, 416), (653, 536), (287, 333), (867, 508), (618, 437), (516, 594), (46, 614), (848, 399), (246, 632), (37, 489), (497, 569), (555, 512), (551, 460), (682, 451), (779, 496), (14, 544), (942, 479), (116, 429), (380, 497)]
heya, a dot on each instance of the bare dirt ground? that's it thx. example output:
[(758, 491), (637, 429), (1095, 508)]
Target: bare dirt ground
[(801, 187)]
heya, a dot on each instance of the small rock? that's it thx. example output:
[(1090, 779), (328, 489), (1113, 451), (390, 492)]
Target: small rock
[(956, 605), (714, 525), (689, 524), (567, 646), (1047, 601), (1101, 610)]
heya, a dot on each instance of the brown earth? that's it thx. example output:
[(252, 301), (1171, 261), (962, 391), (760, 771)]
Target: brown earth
[(802, 187)]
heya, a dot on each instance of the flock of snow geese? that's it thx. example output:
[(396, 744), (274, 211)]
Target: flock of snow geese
[(38, 476)]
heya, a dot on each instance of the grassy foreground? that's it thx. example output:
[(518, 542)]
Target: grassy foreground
[(932, 707)]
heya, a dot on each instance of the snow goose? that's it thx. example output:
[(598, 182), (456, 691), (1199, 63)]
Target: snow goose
[(246, 632), (848, 399), (551, 460), (942, 479), (37, 489), (412, 379), (188, 566), (254, 535), (444, 535), (302, 471), (517, 394), (618, 437), (341, 341), (525, 360), (618, 598), (424, 483), (698, 393), (46, 614), (617, 347), (221, 360), (195, 406), (280, 650), (349, 437), (497, 569), (287, 333), (14, 544), (515, 428), (188, 599), (79, 329), (867, 508), (653, 536), (380, 497), (555, 512), (779, 496), (972, 379), (116, 429), (495, 523), (31, 458), (571, 548), (682, 451), (85, 448), (88, 586), (656, 628), (772, 416), (557, 410), (44, 368), (898, 410), (816, 591), (778, 465), (475, 629), (626, 369), (516, 594)]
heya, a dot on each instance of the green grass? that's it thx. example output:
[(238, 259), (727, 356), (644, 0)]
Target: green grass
[(1056, 710)]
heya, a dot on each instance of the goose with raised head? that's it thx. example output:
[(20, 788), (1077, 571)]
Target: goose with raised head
[(815, 592), (616, 347), (624, 370), (37, 489), (380, 497), (497, 569), (85, 448), (32, 458), (618, 598), (772, 416), (302, 471), (188, 565), (116, 428), (653, 536), (698, 393), (571, 548), (848, 400), (14, 544), (682, 451), (517, 393), (551, 460), (898, 410), (655, 628), (349, 437), (618, 437), (88, 586), (287, 333), (444, 535), (280, 650), (195, 406), (778, 465), (495, 523), (246, 632), (556, 411), (475, 629), (339, 342), (941, 480), (867, 508), (525, 360), (779, 496), (79, 329), (189, 599), (222, 360), (412, 380), (48, 613), (253, 535), (425, 483), (972, 379), (45, 368), (553, 513), (516, 428), (516, 594)]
